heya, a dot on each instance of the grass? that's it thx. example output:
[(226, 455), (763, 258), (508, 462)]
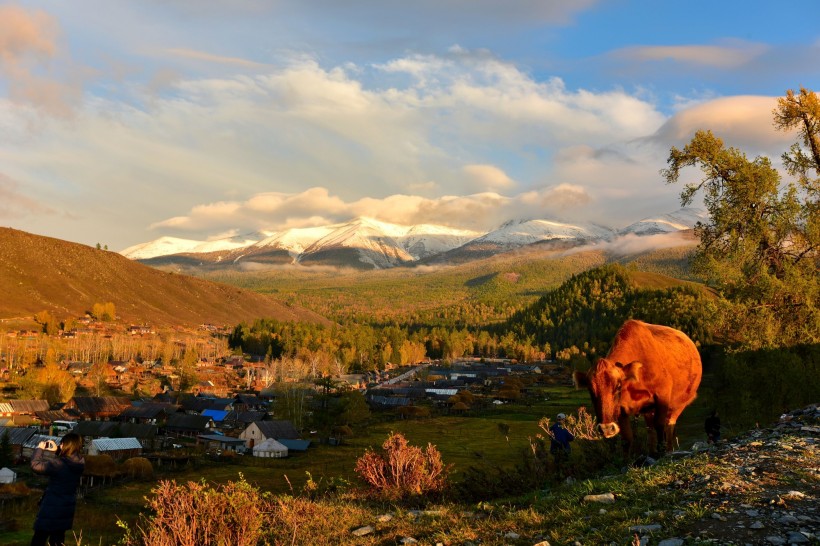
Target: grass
[(464, 441)]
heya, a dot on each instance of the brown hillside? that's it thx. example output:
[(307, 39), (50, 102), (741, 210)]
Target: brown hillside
[(40, 273)]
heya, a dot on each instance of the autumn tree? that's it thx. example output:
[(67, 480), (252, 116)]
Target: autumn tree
[(759, 247), (104, 311), (47, 321), (50, 382)]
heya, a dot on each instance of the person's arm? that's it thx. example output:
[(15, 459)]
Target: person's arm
[(39, 463)]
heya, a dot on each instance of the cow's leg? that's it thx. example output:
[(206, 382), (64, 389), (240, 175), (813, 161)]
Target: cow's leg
[(669, 431), (626, 432), (651, 435), (660, 424)]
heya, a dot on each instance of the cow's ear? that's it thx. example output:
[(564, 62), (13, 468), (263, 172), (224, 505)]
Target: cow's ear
[(632, 371), (580, 379)]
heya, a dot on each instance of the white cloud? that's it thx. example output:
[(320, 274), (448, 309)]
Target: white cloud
[(729, 55), (741, 121), (316, 206), (488, 177), (28, 46)]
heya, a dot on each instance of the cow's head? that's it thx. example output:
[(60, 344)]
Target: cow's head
[(614, 387)]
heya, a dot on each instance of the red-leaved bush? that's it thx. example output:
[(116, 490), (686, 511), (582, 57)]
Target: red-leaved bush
[(402, 470)]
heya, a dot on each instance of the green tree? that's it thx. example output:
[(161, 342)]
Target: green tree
[(754, 248), (6, 455)]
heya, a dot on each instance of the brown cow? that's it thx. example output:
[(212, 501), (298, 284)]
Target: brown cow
[(651, 370)]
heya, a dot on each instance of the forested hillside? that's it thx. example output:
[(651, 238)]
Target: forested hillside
[(587, 310)]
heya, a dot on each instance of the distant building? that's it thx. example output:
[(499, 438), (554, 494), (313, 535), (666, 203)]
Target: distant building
[(117, 448), (259, 431), (97, 408)]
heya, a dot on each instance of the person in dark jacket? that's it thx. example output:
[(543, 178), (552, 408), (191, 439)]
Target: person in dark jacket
[(712, 427), (56, 514), (559, 441)]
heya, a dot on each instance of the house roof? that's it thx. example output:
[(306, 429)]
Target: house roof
[(149, 410), (295, 445), (277, 429), (270, 445), (57, 415), (245, 417), (223, 439), (115, 429), (249, 400), (183, 421), (115, 444), (201, 404), (17, 435), (217, 415), (100, 404), (23, 406)]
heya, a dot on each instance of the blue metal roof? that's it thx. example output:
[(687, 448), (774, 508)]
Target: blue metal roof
[(217, 415)]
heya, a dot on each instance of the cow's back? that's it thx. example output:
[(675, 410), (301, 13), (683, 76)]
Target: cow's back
[(670, 360)]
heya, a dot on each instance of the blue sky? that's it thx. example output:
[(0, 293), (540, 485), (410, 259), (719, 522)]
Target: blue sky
[(126, 121)]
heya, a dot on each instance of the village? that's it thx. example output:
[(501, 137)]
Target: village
[(233, 405)]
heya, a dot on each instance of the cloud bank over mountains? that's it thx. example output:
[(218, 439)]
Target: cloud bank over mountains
[(288, 121)]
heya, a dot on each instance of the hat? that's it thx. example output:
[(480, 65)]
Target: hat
[(560, 417)]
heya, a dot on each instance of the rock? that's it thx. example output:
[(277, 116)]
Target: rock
[(671, 542), (788, 520), (776, 540), (409, 540), (651, 528), (512, 535), (602, 511), (752, 513), (362, 531), (606, 498), (757, 525), (718, 517), (384, 518), (794, 495), (797, 538)]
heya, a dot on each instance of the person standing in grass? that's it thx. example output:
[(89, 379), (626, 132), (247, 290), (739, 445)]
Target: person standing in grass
[(712, 427), (559, 441), (64, 470)]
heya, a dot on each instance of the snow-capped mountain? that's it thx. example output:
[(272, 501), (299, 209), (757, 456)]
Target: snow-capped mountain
[(527, 232), (165, 246), (369, 243), (680, 220), (294, 241), (429, 240)]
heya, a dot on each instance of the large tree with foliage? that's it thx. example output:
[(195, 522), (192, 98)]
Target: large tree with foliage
[(759, 247)]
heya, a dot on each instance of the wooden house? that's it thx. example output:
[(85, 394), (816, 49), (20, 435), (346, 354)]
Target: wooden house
[(146, 434), (17, 436), (259, 431), (97, 408), (182, 424)]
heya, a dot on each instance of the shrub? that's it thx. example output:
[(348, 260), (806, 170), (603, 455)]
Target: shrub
[(197, 513), (402, 470), (139, 468)]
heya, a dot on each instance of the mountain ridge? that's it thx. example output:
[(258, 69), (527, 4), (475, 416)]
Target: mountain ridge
[(366, 243)]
